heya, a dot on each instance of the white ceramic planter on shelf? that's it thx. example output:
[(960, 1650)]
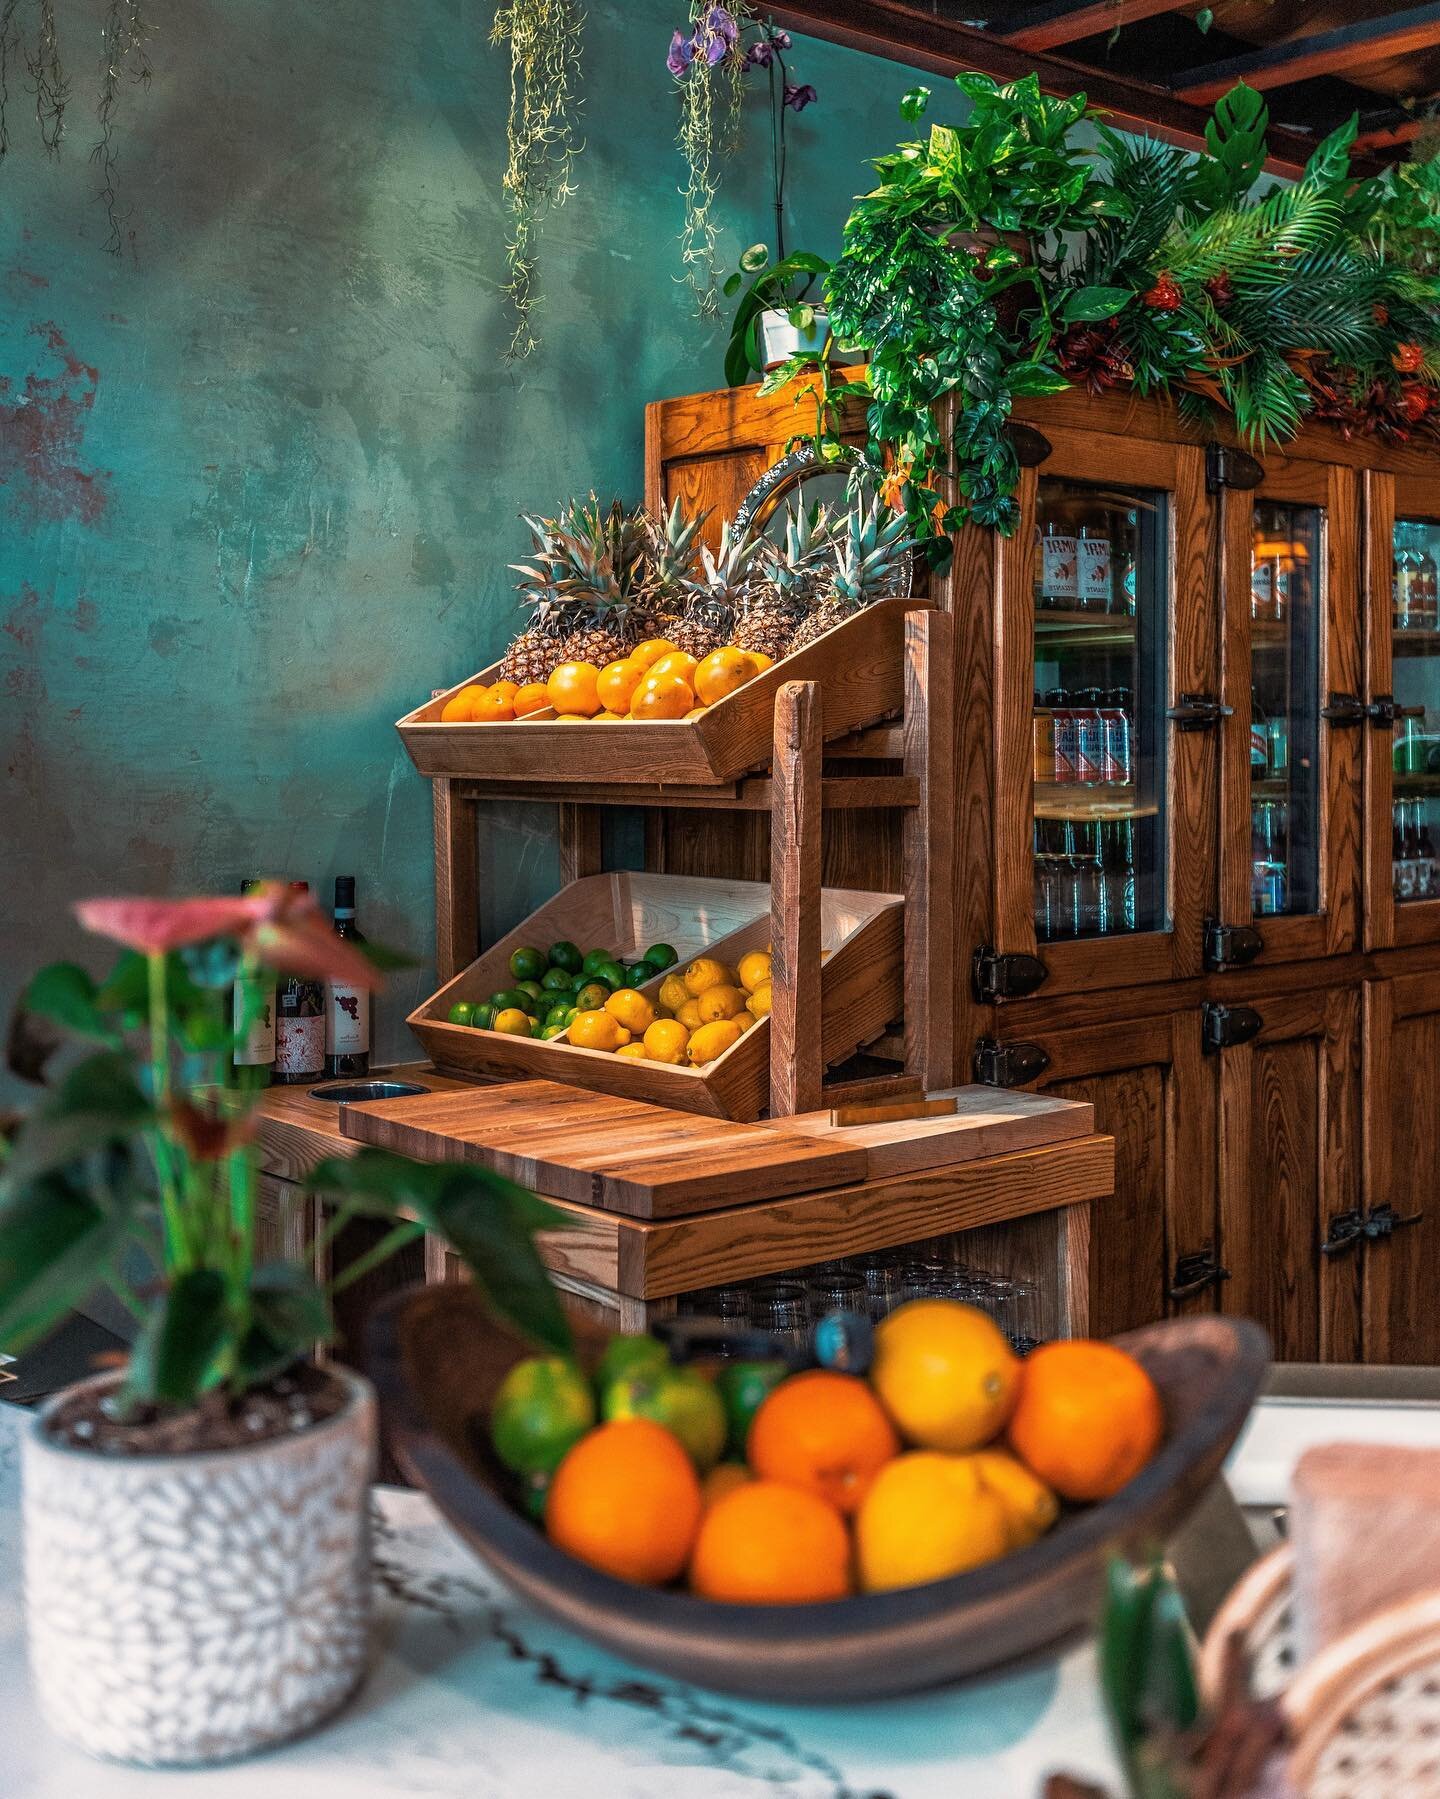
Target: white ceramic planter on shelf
[(780, 340), (184, 1609)]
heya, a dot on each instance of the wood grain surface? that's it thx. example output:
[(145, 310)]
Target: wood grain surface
[(986, 1121), (796, 1068), (929, 847)]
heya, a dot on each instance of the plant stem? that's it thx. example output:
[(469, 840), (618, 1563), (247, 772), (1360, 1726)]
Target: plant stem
[(176, 1246), (401, 1234), (777, 148), (327, 1234)]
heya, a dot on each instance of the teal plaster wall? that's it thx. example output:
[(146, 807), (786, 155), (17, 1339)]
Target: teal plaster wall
[(259, 475)]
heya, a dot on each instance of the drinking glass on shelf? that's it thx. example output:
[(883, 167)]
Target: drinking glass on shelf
[(880, 1273), (730, 1303), (783, 1309), (838, 1291), (923, 1278)]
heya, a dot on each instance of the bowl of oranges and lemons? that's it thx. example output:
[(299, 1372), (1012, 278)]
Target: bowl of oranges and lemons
[(921, 1512)]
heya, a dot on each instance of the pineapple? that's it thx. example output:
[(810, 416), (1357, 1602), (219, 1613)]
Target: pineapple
[(585, 582), (776, 605), (867, 561), (714, 601)]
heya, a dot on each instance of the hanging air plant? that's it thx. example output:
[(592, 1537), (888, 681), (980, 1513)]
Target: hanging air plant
[(709, 66), (545, 39)]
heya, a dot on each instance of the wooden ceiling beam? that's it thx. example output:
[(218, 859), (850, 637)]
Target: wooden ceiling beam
[(1067, 21), (1390, 137), (941, 47), (1347, 47)]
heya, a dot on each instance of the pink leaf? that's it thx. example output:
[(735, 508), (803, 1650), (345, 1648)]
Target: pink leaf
[(153, 926)]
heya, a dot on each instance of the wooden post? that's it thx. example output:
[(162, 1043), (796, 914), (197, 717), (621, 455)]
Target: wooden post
[(929, 841), (796, 1070), (579, 842), (457, 872)]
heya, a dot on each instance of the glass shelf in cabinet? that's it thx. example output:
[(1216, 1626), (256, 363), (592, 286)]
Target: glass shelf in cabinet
[(1080, 800), (1428, 782)]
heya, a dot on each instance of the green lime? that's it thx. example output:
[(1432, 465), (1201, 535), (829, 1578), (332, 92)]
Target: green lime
[(531, 987), (565, 955), (484, 1017), (592, 996), (527, 964), (555, 1029), (742, 1387), (542, 1407), (555, 1014), (661, 956), (629, 1355), (611, 973), (557, 980), (534, 1491), (681, 1400), (512, 1022), (594, 959), (571, 1014), (506, 997), (462, 1012)]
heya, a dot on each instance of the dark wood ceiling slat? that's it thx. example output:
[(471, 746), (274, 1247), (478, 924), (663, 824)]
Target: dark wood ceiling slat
[(1347, 47), (1067, 21)]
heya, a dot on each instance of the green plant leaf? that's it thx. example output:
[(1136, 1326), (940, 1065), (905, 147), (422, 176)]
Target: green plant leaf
[(1205, 18), (56, 1243), (913, 103), (1084, 304), (67, 996), (96, 1105), (176, 1355), (490, 1224), (755, 258), (373, 1182), (289, 1314)]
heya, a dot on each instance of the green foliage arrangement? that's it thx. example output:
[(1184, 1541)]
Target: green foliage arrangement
[(785, 286), (140, 1154)]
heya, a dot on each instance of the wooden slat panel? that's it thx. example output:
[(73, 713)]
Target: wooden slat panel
[(1014, 728), (929, 851), (1067, 21), (987, 1122), (1402, 1169), (1360, 44), (796, 1068), (457, 894), (1377, 751)]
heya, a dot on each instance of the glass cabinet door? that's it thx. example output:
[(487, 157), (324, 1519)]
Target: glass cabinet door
[(1415, 677)]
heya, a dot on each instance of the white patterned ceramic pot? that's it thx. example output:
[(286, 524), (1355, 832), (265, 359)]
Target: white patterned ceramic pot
[(780, 340), (184, 1609)]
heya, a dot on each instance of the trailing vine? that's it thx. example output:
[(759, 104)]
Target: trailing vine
[(124, 52), (545, 38), (709, 69)]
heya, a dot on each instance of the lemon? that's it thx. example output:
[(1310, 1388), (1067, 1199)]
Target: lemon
[(597, 1030), (945, 1372), (1030, 1506), (689, 1015), (720, 1002), (705, 972), (712, 1040), (926, 1517), (673, 993), (635, 1052), (758, 1004), (665, 1040), (747, 1021), (631, 1009), (754, 969), (512, 1021)]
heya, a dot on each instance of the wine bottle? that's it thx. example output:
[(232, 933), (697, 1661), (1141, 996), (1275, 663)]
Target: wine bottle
[(299, 1025), (252, 1019), (347, 1009)]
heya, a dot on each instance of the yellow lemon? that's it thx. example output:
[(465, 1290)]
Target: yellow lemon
[(927, 1517), (712, 1040), (665, 1040), (705, 972), (758, 1004), (1030, 1506), (632, 1009), (754, 969), (673, 993), (512, 1022), (747, 1021), (597, 1030), (636, 1052), (720, 1002), (689, 1015), (946, 1373)]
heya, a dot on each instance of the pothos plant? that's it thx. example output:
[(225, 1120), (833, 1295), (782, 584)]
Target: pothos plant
[(138, 1170)]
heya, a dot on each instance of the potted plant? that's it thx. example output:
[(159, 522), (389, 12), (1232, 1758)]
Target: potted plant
[(196, 1538), (777, 322)]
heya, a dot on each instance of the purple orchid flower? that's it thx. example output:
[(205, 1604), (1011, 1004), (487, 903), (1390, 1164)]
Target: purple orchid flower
[(782, 40), (798, 98), (760, 55), (721, 34), (682, 54)]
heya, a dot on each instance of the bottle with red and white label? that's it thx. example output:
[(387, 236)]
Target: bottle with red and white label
[(1059, 577), (1093, 569), (347, 1009), (299, 1025), (1115, 712), (1063, 719), (1089, 737)]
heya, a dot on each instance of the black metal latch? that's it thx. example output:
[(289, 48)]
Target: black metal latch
[(1344, 710), (1382, 712), (1225, 466), (995, 974), (1198, 712), (1230, 945), (1008, 1064), (1222, 1027), (1195, 1272), (1347, 1229)]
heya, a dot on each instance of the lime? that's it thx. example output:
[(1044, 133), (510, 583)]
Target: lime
[(565, 955), (543, 1406), (513, 1022), (661, 956), (506, 997), (592, 997), (557, 980), (594, 959), (629, 1355), (462, 1012), (555, 1014), (571, 1014), (533, 988), (527, 964), (484, 1017), (742, 1387), (611, 973), (534, 1491), (554, 1029), (681, 1400)]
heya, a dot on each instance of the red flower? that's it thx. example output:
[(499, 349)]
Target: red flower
[(153, 925), (1220, 288), (209, 1135), (1415, 401), (1381, 313), (1165, 296), (1407, 358)]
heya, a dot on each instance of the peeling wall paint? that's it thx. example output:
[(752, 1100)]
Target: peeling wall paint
[(259, 477)]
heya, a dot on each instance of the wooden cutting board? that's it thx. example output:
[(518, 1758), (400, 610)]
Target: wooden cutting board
[(603, 1150), (988, 1121)]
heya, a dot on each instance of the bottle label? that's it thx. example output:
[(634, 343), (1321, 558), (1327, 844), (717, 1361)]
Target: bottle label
[(1090, 748), (256, 998), (300, 1045), (347, 1020), (1044, 746), (1065, 734), (1259, 745), (1262, 589), (1059, 579), (1094, 571)]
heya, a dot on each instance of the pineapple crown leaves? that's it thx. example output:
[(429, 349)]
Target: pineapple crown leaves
[(726, 570), (589, 557), (673, 542), (869, 554), (793, 565)]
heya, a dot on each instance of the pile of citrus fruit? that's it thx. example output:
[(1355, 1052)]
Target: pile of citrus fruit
[(760, 1487), (655, 681)]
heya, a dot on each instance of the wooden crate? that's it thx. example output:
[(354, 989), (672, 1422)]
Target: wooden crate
[(860, 987), (859, 666)]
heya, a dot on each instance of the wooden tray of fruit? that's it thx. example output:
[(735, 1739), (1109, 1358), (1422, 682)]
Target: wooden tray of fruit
[(948, 1511), (656, 987), (666, 734)]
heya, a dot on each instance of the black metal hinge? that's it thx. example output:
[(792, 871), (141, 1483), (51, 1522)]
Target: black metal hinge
[(1382, 712), (995, 974), (1195, 1272), (1349, 1229), (1008, 1064), (1222, 1027), (1225, 466), (1198, 712), (1031, 447), (1230, 945), (1344, 710)]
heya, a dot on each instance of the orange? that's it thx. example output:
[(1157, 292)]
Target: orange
[(697, 712), (1088, 1418), (1030, 1507), (769, 1544), (505, 690), (926, 1517), (534, 696), (946, 1374), (761, 660), (573, 688), (721, 673), (457, 708), (493, 708), (722, 1479), (653, 648), (617, 683), (721, 1001), (626, 1499), (678, 662), (824, 1432), (665, 1040), (663, 696)]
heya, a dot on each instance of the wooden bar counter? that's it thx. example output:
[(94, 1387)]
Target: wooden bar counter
[(664, 1203)]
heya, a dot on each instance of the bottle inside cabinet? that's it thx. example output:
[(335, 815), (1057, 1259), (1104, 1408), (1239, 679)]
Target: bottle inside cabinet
[(1102, 587), (1286, 575), (1416, 676)]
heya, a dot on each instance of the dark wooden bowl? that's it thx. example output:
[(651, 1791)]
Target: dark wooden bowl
[(436, 1357)]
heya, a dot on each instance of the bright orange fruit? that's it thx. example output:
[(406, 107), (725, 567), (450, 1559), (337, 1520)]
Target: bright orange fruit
[(626, 1499), (617, 684), (456, 709), (534, 696), (495, 705), (722, 672), (825, 1432), (573, 688), (661, 696), (1088, 1418), (768, 1544)]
